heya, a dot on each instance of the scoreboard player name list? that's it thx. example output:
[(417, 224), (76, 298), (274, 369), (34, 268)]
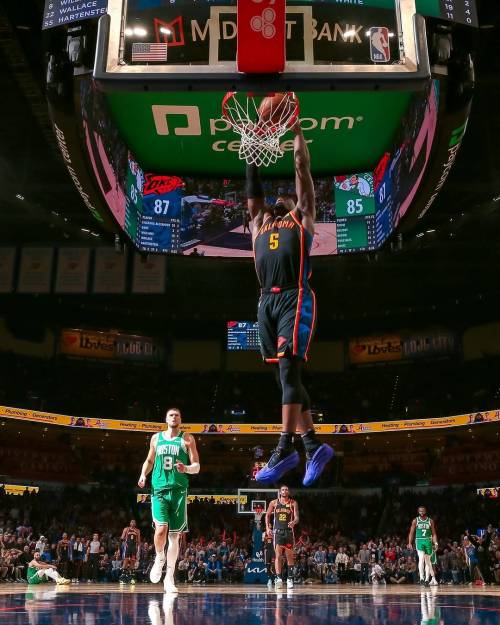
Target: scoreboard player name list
[(59, 12)]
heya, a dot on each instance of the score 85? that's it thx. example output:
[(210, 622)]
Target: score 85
[(355, 207)]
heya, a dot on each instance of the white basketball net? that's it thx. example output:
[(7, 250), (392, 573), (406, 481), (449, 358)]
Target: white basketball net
[(260, 138), (258, 516)]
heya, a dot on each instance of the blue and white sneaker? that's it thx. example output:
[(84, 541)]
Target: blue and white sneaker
[(316, 464), (281, 461)]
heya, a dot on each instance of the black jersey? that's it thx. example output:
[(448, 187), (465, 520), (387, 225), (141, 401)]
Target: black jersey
[(131, 539), (281, 249), (283, 514), (64, 550)]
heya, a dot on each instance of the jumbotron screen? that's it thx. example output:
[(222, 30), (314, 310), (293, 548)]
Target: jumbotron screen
[(168, 213)]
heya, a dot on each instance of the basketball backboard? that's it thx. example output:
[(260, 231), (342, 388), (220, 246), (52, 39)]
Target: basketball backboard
[(254, 500), (380, 41)]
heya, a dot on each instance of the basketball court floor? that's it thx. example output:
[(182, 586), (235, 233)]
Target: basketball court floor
[(144, 604)]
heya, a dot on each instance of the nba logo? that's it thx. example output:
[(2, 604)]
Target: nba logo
[(380, 51)]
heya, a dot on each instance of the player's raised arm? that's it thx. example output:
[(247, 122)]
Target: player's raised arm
[(148, 463), (255, 196), (194, 459), (304, 186), (411, 535)]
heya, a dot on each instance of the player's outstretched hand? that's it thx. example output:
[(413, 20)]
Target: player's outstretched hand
[(410, 546), (181, 467), (142, 481)]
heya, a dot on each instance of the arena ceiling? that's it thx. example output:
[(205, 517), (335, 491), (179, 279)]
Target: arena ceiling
[(456, 245)]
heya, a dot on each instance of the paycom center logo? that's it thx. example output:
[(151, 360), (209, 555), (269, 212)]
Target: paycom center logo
[(184, 121)]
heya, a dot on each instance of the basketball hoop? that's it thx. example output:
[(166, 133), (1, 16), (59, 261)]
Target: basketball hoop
[(258, 512), (260, 137)]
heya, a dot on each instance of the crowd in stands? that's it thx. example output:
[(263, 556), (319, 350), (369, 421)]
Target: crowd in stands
[(93, 389), (362, 539)]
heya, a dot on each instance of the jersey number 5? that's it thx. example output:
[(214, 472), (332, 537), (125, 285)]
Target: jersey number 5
[(168, 463), (274, 241)]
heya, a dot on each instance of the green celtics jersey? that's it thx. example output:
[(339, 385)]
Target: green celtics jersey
[(32, 575), (169, 451), (423, 530)]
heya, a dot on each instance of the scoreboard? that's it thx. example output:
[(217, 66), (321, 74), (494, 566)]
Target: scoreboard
[(243, 336), (363, 221), (461, 11), (153, 209)]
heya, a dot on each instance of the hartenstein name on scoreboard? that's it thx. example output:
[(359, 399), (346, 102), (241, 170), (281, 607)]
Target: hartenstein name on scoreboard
[(60, 12)]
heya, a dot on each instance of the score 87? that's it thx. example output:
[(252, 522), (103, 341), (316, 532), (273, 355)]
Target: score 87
[(160, 207)]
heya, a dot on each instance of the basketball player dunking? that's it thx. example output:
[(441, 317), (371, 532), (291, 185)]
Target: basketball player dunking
[(426, 542), (172, 456), (283, 513), (282, 237)]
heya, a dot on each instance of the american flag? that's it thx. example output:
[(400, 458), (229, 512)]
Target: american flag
[(149, 52)]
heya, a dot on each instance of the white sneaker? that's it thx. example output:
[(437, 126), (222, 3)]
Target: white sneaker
[(169, 583), (433, 582), (169, 586), (157, 569), (270, 583), (278, 582), (289, 583)]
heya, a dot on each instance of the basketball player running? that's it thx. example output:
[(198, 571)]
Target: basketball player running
[(172, 456), (424, 532), (284, 514), (282, 237)]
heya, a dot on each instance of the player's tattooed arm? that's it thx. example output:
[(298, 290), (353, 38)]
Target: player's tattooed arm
[(255, 196), (304, 185)]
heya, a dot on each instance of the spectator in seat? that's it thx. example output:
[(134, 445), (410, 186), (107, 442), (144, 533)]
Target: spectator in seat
[(192, 568), (182, 569), (213, 569), (199, 576), (394, 574), (445, 567), (377, 574), (116, 566), (320, 562)]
